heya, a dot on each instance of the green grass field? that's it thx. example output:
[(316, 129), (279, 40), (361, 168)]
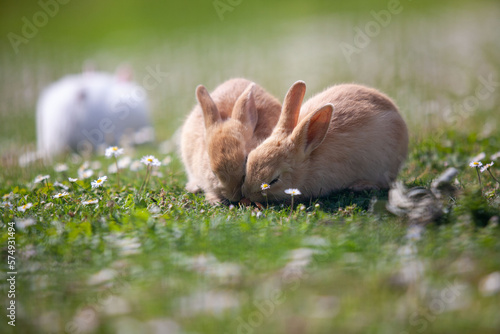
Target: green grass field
[(161, 260)]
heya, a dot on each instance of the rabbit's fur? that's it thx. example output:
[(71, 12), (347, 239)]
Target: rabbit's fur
[(83, 111), (347, 137), (220, 132)]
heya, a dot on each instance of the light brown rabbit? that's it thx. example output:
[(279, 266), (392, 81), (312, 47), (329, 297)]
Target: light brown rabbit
[(347, 137), (220, 132)]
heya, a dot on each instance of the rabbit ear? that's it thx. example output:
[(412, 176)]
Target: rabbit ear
[(291, 108), (210, 112), (311, 132), (245, 109)]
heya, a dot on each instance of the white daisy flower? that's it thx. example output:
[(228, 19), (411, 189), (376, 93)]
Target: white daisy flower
[(59, 195), (91, 201), (486, 167), (476, 164), (113, 151), (99, 182), (265, 186), (150, 160), (61, 168), (40, 178), (24, 207), (293, 192), (7, 205), (72, 179)]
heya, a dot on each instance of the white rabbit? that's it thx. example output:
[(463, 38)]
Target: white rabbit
[(84, 111), (347, 137)]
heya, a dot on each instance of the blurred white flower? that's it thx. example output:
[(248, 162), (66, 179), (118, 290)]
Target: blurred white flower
[(154, 209), (92, 201), (60, 185), (96, 164), (40, 178), (99, 182), (293, 192), (8, 196), (112, 169), (478, 157), (84, 166), (22, 224), (86, 174), (24, 207), (157, 174), (7, 205), (475, 164), (59, 195), (135, 165), (124, 162), (61, 168), (113, 151), (128, 246), (103, 276), (486, 167), (495, 156), (72, 179), (490, 284), (150, 160), (166, 160)]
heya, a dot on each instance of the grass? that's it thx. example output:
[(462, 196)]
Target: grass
[(174, 259), (161, 258)]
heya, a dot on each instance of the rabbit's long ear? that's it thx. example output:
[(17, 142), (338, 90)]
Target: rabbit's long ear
[(311, 132), (291, 108), (210, 112), (245, 109)]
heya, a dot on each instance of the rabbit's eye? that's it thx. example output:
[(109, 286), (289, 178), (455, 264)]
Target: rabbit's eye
[(274, 181)]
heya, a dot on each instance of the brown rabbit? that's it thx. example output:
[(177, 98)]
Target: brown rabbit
[(220, 132), (347, 137)]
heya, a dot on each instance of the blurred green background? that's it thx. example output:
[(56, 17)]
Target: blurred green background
[(427, 57)]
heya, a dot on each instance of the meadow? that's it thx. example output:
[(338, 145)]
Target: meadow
[(144, 255)]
